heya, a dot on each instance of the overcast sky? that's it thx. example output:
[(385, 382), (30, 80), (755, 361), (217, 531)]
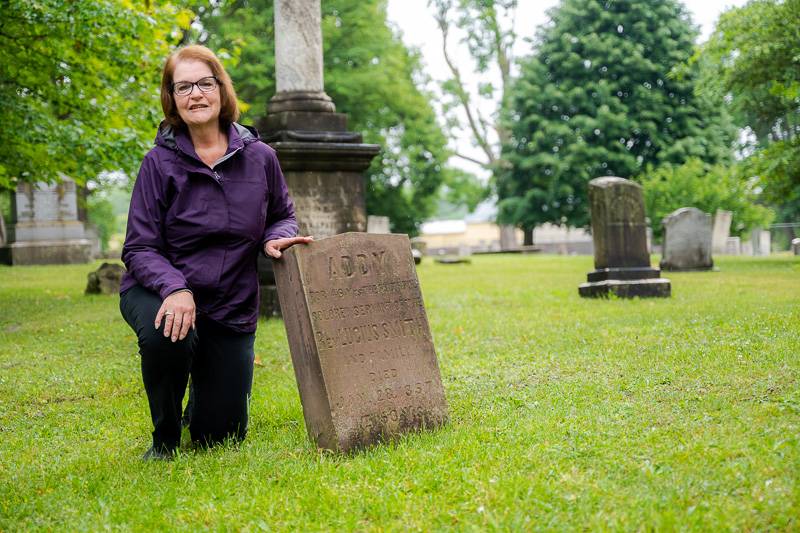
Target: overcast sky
[(415, 21)]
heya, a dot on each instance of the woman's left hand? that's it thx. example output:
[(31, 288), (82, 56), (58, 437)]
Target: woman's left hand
[(273, 248)]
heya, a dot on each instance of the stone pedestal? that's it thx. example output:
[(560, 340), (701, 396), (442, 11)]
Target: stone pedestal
[(361, 345), (323, 163), (45, 228), (621, 260), (687, 240)]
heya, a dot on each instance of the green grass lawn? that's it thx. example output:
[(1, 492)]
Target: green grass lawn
[(680, 413)]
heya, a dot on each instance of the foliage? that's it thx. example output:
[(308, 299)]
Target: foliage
[(370, 75), (706, 187), (79, 85), (598, 97), (613, 416), (101, 214), (753, 60), (488, 28)]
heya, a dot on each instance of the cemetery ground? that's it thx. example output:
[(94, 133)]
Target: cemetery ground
[(566, 413)]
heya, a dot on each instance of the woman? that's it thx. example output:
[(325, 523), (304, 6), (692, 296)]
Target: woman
[(208, 198)]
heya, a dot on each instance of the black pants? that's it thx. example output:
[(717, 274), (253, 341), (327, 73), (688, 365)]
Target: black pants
[(219, 360)]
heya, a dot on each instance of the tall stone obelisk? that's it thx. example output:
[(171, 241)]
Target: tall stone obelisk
[(323, 163)]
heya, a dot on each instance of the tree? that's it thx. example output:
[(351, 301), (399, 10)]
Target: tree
[(753, 61), (79, 85), (370, 75), (706, 187), (489, 37), (598, 97)]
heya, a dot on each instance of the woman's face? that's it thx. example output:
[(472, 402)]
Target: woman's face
[(197, 108)]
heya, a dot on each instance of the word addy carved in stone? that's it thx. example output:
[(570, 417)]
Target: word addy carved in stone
[(360, 340), (619, 232)]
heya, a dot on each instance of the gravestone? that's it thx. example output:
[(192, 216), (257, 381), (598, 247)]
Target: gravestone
[(105, 280), (733, 246), (687, 240), (508, 237), (45, 227), (762, 241), (361, 345), (721, 231), (796, 246), (376, 224), (621, 260)]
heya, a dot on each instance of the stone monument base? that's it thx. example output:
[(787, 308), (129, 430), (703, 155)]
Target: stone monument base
[(46, 252), (626, 282)]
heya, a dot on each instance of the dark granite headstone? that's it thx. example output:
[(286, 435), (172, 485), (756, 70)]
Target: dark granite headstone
[(619, 232), (360, 341)]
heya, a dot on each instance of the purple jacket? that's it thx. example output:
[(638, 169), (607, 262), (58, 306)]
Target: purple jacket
[(200, 228)]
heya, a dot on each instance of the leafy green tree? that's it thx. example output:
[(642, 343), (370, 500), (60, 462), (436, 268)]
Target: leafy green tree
[(369, 74), (79, 85), (489, 37), (598, 98), (753, 60), (706, 187)]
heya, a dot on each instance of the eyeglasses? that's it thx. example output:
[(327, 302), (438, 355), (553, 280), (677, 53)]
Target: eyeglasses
[(206, 85)]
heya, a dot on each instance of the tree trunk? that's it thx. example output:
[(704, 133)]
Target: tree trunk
[(527, 239)]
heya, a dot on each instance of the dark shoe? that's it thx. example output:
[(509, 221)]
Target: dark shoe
[(158, 454)]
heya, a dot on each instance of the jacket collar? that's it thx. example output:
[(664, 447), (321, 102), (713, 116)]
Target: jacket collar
[(178, 139)]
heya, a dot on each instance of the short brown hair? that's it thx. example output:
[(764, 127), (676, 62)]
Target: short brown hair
[(229, 106)]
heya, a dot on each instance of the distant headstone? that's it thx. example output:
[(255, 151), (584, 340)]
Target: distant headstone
[(622, 264), (417, 255), (687, 240), (733, 246), (508, 238), (745, 248), (721, 231), (762, 241), (105, 280), (377, 224), (796, 246), (360, 341), (46, 228), (453, 260)]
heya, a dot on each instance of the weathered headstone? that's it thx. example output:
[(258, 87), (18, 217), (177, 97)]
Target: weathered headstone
[(376, 224), (687, 240), (360, 341), (721, 231), (733, 246), (45, 227), (796, 246), (105, 280), (508, 237), (762, 241), (622, 264)]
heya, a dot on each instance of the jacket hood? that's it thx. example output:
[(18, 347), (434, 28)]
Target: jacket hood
[(178, 138)]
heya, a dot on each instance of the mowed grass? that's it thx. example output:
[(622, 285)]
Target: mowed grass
[(566, 413)]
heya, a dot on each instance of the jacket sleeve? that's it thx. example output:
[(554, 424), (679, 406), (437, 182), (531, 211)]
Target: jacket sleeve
[(144, 251), (280, 221)]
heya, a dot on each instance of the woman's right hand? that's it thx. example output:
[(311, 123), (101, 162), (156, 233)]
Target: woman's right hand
[(178, 312)]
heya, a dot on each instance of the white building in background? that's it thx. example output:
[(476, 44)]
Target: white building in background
[(478, 232)]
